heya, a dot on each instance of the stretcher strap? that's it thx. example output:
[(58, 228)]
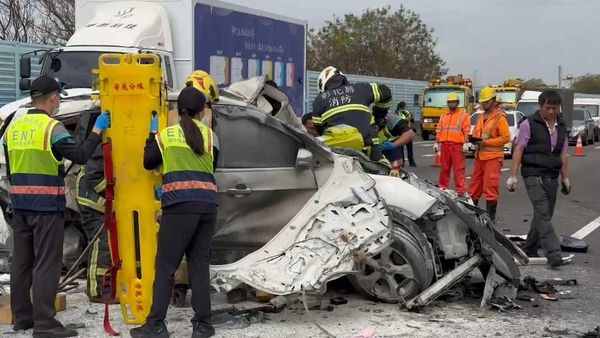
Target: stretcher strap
[(111, 226)]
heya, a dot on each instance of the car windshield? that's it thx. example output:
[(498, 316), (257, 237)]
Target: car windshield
[(528, 108), (72, 69), (439, 97), (578, 115), (506, 97), (592, 109)]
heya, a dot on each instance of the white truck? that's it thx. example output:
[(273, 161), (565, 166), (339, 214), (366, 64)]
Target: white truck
[(230, 42)]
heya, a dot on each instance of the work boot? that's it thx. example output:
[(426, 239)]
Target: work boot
[(56, 332), (555, 260), (413, 164), (491, 207), (150, 330), (23, 325), (202, 330)]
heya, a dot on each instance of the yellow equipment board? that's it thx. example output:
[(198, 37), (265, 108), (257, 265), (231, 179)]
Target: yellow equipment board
[(130, 88)]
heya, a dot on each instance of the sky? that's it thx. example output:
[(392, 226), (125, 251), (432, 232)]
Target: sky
[(488, 40)]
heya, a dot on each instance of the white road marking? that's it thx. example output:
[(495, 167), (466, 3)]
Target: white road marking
[(586, 230), (428, 155), (505, 169), (422, 142), (596, 147)]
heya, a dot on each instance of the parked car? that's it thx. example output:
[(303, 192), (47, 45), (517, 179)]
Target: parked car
[(583, 126), (295, 214), (514, 118), (592, 105)]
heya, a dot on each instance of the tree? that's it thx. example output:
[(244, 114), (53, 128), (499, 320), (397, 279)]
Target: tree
[(378, 43), (588, 83), (37, 21), (534, 83)]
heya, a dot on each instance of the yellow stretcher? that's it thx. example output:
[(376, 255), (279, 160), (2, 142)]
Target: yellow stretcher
[(130, 88)]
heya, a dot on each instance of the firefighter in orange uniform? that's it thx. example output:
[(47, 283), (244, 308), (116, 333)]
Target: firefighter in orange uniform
[(452, 135), (490, 135)]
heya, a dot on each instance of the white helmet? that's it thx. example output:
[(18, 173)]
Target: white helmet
[(325, 75)]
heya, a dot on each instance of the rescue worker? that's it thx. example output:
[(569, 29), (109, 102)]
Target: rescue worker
[(189, 212), (408, 117), (35, 146), (452, 137), (541, 151), (202, 81), (309, 124), (340, 102), (490, 135), (394, 133), (90, 187)]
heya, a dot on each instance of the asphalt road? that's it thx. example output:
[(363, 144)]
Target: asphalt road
[(572, 212)]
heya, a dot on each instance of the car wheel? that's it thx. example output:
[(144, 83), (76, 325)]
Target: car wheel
[(383, 273), (592, 138), (597, 136), (425, 135), (585, 140)]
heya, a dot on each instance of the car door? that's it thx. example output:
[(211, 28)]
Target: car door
[(260, 189)]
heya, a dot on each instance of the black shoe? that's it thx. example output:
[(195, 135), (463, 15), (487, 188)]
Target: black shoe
[(24, 325), (150, 331), (54, 333), (413, 164), (555, 262), (202, 330)]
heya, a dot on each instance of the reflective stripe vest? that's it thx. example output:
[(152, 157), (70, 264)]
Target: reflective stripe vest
[(187, 176), (37, 177), (494, 132), (453, 127)]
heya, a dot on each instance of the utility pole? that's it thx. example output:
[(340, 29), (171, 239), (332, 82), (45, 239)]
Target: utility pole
[(559, 76)]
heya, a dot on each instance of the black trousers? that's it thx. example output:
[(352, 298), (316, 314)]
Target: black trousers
[(542, 193), (179, 234), (36, 265), (99, 259), (409, 151)]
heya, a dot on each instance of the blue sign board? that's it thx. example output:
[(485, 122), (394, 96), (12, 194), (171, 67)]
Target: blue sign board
[(234, 46)]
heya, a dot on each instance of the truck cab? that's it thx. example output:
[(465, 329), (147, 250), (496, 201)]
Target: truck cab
[(509, 93), (435, 101)]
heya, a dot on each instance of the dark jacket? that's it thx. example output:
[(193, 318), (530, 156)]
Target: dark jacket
[(538, 159)]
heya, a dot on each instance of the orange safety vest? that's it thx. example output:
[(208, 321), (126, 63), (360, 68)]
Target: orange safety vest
[(453, 127), (488, 129)]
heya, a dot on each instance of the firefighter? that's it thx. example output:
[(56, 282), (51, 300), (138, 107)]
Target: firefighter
[(90, 187), (394, 133), (35, 146), (340, 102), (189, 212), (490, 135), (451, 137), (408, 117)]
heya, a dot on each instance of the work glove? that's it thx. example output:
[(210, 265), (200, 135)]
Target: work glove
[(159, 193), (436, 147), (466, 147), (154, 124), (387, 146), (566, 186), (511, 183), (103, 121)]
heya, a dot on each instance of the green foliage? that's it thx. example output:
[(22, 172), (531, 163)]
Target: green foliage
[(379, 42)]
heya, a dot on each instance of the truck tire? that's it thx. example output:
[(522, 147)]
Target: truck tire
[(382, 274), (425, 135)]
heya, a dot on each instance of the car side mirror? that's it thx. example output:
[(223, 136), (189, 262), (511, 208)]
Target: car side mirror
[(304, 159), (24, 84), (25, 67)]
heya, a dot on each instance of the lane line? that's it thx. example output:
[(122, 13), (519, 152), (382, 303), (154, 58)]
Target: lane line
[(422, 142), (596, 147), (588, 229), (505, 169), (428, 155)]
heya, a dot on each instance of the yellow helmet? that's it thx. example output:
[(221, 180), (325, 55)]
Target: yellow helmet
[(452, 97), (487, 94), (202, 81)]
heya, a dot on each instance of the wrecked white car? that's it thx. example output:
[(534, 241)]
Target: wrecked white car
[(294, 214)]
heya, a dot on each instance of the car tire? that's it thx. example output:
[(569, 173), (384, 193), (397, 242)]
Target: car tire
[(407, 259), (425, 135), (584, 140), (597, 135)]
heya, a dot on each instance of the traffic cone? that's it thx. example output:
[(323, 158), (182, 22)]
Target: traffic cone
[(579, 147), (437, 162)]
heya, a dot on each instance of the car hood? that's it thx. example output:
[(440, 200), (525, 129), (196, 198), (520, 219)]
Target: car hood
[(72, 95)]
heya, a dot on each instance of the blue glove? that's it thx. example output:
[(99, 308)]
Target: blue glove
[(103, 121), (387, 146), (154, 124), (159, 193)]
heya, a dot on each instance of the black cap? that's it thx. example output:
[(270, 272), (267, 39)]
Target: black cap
[(43, 85), (191, 99)]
